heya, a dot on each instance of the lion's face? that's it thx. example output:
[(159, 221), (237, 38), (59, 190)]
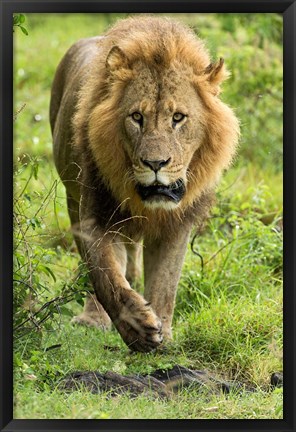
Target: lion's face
[(163, 129), (159, 133)]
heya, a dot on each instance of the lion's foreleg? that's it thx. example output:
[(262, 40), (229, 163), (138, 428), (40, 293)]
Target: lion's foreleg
[(135, 320), (163, 260)]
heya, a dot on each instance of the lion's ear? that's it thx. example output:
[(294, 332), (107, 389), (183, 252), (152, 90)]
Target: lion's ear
[(216, 73), (116, 59)]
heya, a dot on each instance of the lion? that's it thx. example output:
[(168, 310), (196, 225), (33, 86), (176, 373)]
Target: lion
[(141, 139)]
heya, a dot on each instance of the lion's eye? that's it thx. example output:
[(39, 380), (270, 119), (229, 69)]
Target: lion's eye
[(177, 117), (137, 117)]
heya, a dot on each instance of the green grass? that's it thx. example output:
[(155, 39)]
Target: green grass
[(80, 405), (228, 316)]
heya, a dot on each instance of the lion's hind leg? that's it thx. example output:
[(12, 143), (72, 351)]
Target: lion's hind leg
[(93, 315)]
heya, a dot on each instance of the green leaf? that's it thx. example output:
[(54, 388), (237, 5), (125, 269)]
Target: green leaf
[(80, 301), (65, 311), (35, 169), (47, 271), (16, 19), (24, 30), (22, 18), (34, 222)]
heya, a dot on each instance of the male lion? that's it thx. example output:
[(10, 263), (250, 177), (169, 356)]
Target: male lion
[(140, 141)]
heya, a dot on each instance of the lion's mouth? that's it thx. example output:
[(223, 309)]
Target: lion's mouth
[(173, 192)]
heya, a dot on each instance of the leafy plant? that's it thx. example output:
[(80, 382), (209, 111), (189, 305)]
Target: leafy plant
[(38, 296), (18, 21)]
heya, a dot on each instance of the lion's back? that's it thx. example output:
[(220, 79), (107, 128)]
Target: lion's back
[(69, 78)]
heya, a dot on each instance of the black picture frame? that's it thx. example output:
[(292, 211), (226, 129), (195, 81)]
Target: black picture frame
[(8, 7)]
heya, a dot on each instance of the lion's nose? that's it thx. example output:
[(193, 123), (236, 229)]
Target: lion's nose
[(156, 164)]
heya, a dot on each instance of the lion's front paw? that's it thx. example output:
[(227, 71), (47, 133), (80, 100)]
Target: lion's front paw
[(138, 325)]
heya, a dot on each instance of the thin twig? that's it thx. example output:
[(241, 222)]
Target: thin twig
[(197, 253), (18, 112)]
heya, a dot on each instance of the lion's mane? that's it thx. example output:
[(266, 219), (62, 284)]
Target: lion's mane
[(158, 43)]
